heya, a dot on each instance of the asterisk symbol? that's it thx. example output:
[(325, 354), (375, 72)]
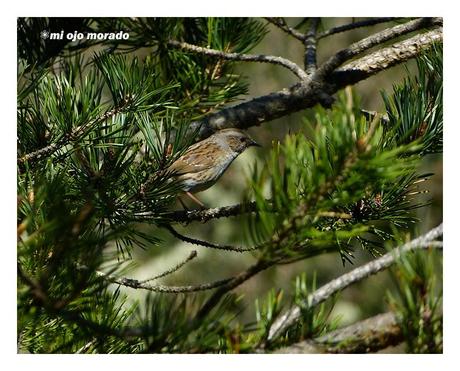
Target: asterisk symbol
[(44, 34)]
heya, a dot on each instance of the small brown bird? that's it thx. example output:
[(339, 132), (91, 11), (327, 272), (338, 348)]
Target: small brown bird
[(205, 161)]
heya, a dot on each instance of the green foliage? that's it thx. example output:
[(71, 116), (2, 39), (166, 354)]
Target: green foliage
[(129, 82), (170, 325), (205, 82), (88, 325), (313, 321), (418, 301), (267, 312), (422, 122), (317, 184)]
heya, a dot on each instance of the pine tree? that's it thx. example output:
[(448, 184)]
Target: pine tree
[(100, 122)]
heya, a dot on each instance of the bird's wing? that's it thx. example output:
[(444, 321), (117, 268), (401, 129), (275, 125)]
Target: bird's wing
[(198, 157)]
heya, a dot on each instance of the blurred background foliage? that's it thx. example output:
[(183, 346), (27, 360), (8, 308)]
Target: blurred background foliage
[(360, 301)]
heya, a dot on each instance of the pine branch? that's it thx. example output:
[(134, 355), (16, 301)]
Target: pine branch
[(294, 68), (58, 307), (72, 137), (298, 97), (205, 215), (323, 293), (355, 25), (188, 216), (369, 335), (279, 239)]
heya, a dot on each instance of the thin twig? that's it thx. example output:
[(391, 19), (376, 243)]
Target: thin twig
[(136, 284), (378, 38), (197, 242), (193, 254), (281, 24), (354, 25), (364, 271), (294, 68), (310, 47)]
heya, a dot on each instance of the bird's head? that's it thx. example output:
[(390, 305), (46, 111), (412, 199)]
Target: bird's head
[(236, 139)]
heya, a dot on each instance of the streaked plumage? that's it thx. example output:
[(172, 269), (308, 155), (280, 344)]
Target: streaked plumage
[(205, 161)]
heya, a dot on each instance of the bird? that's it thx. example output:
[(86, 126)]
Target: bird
[(204, 162)]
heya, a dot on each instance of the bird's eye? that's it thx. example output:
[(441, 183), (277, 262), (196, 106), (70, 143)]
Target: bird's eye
[(242, 139)]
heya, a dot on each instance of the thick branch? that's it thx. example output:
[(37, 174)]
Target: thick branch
[(358, 274), (383, 59), (298, 97), (299, 72), (365, 44), (369, 335)]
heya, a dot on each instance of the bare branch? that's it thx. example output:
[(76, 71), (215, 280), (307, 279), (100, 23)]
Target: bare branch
[(383, 59), (369, 335), (294, 68), (281, 24), (358, 274), (354, 25), (380, 37)]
